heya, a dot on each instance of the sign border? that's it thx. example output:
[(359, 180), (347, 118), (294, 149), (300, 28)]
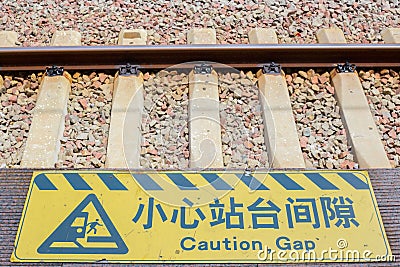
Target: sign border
[(367, 181)]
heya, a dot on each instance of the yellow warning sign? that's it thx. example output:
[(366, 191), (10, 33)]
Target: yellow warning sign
[(260, 217)]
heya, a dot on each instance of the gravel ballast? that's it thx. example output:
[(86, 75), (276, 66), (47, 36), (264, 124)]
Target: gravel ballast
[(164, 122), (84, 141), (18, 93), (167, 21), (165, 142), (383, 93), (241, 122), (322, 135)]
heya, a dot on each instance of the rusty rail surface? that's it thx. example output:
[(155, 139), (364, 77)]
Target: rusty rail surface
[(163, 56)]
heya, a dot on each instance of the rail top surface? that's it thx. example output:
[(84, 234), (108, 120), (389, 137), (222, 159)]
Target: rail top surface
[(164, 56)]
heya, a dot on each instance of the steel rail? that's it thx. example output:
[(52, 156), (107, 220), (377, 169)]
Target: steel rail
[(238, 56)]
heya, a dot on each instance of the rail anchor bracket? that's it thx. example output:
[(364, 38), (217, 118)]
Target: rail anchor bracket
[(128, 70), (203, 69), (345, 68), (272, 68), (54, 71)]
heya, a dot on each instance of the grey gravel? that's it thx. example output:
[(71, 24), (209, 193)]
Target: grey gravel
[(164, 125), (241, 122), (84, 142), (322, 135), (165, 134), (100, 21), (383, 93), (18, 93)]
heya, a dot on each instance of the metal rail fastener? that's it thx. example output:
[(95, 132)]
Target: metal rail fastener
[(203, 69), (54, 71), (346, 67), (128, 70)]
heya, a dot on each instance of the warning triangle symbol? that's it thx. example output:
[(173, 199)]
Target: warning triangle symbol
[(77, 235)]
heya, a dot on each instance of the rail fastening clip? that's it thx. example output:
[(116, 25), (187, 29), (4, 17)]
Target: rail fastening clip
[(128, 70), (272, 68), (346, 67), (54, 71)]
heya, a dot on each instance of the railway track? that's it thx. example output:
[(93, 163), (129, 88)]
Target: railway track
[(273, 102), (237, 56), (200, 111)]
